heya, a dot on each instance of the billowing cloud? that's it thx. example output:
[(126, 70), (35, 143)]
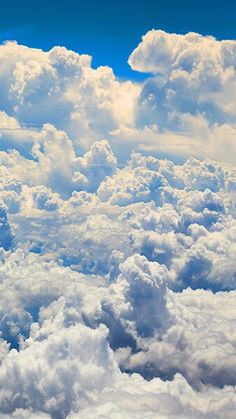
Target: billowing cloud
[(61, 88), (189, 101), (199, 68), (64, 363), (117, 268)]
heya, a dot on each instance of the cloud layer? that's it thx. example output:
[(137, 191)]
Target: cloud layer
[(117, 268)]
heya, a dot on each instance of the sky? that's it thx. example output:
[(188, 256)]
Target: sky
[(117, 210), (110, 30)]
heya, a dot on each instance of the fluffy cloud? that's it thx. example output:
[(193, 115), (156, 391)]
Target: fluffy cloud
[(201, 68), (179, 215), (6, 234), (117, 271), (185, 108), (159, 50), (60, 87), (64, 173), (189, 102), (65, 367), (190, 346)]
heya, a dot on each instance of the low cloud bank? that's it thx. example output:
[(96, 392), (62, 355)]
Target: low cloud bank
[(117, 269)]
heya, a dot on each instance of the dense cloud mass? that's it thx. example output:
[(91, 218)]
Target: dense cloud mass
[(118, 233), (192, 92)]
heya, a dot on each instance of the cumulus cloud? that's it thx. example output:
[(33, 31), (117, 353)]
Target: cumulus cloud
[(64, 363), (54, 163), (190, 98), (186, 107), (201, 67), (6, 233), (159, 50), (60, 87), (117, 269)]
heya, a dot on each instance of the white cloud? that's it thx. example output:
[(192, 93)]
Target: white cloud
[(191, 95), (160, 51), (66, 367), (61, 88), (117, 276), (192, 139), (195, 345)]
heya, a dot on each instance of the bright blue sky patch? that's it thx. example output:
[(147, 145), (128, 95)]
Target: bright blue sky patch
[(110, 30)]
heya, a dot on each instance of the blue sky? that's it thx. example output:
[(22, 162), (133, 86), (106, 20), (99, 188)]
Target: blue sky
[(117, 210), (110, 30)]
